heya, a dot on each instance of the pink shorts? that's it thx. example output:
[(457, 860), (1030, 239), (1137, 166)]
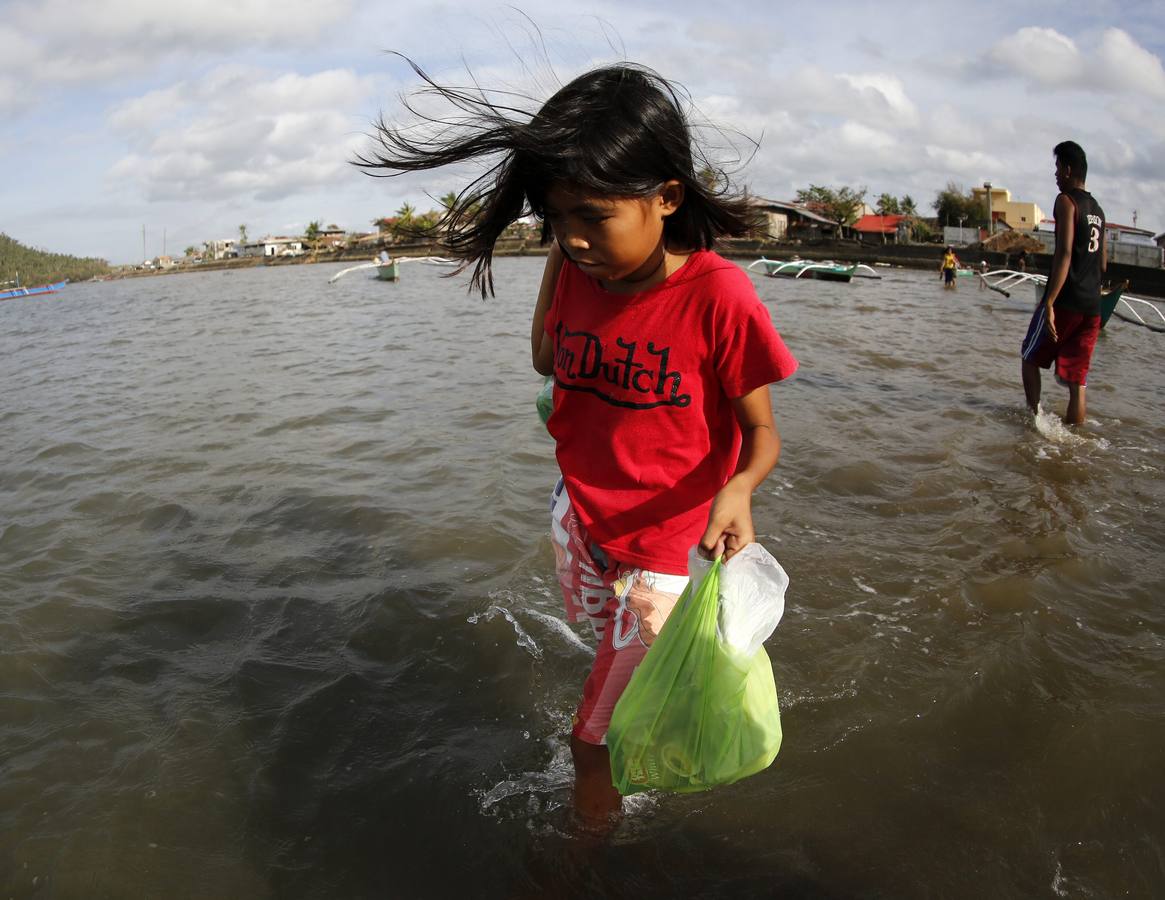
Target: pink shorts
[(625, 605)]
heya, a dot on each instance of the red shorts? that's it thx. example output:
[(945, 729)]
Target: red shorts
[(625, 605), (1072, 353)]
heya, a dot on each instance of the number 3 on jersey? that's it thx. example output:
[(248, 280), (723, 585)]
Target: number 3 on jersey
[(1094, 240)]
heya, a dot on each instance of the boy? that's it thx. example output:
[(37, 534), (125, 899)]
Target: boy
[(1066, 321)]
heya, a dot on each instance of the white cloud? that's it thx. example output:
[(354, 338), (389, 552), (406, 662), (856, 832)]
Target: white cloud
[(1125, 65), (1040, 54), (240, 132), (876, 99), (861, 138), (1048, 58), (115, 38), (964, 163), (886, 94), (241, 112)]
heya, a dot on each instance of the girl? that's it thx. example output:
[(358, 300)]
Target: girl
[(661, 351)]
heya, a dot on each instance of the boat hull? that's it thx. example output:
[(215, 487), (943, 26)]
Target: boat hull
[(830, 274), (809, 270), (1108, 304), (12, 293)]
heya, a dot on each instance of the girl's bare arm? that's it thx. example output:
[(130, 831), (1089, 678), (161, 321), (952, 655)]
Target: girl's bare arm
[(541, 347), (730, 520)]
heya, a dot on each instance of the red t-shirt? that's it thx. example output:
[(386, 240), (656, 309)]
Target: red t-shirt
[(645, 431)]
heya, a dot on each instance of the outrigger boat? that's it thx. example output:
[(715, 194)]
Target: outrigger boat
[(826, 270), (8, 293), (1115, 302), (389, 269)]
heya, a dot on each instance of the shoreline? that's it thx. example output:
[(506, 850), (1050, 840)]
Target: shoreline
[(1141, 279)]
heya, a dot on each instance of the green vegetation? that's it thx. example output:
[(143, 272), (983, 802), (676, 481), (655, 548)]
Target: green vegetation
[(956, 207), (841, 206), (312, 235), (35, 267), (889, 205)]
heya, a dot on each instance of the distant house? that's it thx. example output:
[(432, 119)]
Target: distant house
[(1017, 214), (332, 236), (223, 249), (272, 247), (791, 220), (1125, 244), (283, 246), (883, 228), (1127, 234), (1135, 246)]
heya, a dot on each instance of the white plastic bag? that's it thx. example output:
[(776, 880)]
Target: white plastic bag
[(752, 599)]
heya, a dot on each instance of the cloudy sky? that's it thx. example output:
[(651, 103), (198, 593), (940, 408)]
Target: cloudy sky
[(191, 119)]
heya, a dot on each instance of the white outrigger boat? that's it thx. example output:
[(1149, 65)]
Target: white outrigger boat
[(1115, 302), (825, 270), (389, 269)]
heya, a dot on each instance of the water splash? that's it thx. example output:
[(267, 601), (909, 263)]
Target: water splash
[(558, 776), (1052, 427), (559, 627), (526, 642)]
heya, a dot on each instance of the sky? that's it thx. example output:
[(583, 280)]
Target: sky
[(133, 127)]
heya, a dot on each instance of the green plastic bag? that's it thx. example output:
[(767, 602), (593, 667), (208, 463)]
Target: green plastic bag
[(545, 399), (696, 713)]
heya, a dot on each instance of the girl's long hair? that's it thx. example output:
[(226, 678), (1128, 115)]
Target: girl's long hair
[(616, 131)]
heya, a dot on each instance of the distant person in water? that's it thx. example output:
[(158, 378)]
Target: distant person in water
[(949, 268), (1021, 261), (1066, 322)]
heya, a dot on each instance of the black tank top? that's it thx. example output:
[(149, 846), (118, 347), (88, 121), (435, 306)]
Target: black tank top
[(1081, 290)]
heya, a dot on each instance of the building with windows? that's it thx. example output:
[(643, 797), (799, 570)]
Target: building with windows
[(782, 220), (1125, 243), (1019, 215)]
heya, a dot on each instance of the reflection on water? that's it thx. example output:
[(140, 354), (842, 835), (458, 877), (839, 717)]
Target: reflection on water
[(279, 619)]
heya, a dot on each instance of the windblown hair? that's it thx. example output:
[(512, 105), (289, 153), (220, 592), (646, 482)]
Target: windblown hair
[(616, 131), (1072, 154)]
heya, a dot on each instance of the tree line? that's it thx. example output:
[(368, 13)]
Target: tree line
[(952, 205), (33, 267)]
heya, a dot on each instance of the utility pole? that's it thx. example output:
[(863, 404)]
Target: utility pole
[(1134, 218), (143, 243), (990, 221)]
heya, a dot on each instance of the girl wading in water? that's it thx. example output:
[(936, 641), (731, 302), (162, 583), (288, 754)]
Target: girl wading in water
[(661, 351)]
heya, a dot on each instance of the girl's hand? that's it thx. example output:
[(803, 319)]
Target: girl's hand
[(729, 522)]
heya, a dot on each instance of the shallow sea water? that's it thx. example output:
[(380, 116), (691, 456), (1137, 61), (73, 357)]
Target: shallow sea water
[(278, 615)]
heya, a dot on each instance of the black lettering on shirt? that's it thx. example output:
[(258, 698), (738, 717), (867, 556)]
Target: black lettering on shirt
[(622, 377)]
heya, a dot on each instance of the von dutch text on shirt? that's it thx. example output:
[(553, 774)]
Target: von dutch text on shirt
[(632, 374)]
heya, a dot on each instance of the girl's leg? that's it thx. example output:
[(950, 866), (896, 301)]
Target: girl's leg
[(596, 801)]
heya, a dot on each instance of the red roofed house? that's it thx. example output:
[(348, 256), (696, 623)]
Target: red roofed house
[(880, 226)]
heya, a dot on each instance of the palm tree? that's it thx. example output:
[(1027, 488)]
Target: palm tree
[(242, 234), (403, 226), (312, 235)]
